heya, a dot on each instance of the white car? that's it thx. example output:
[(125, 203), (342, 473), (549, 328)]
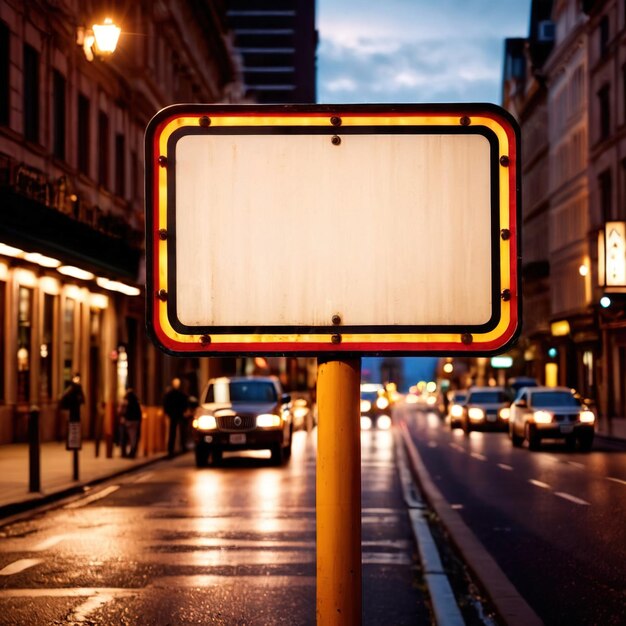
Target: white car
[(550, 413)]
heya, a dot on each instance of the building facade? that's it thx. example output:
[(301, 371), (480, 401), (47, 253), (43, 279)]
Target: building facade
[(71, 195)]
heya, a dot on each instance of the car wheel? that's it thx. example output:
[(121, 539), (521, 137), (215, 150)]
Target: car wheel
[(278, 455), (585, 442), (533, 438), (216, 457), (570, 442), (202, 456), (287, 452), (465, 425), (516, 440)]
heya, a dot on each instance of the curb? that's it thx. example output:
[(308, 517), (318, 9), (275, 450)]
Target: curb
[(10, 511), (508, 603)]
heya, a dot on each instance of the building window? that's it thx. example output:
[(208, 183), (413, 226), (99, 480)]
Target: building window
[(46, 350), (31, 94), (69, 313), (134, 168), (103, 143), (605, 111), (3, 300), (82, 128), (120, 165), (603, 35), (24, 336), (58, 115), (5, 63), (605, 191)]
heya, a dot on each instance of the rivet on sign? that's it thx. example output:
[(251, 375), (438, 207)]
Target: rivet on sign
[(335, 120), (336, 319), (162, 295), (336, 339), (504, 160), (204, 121), (506, 295), (336, 140), (162, 234), (465, 121), (505, 233), (163, 161), (204, 339), (467, 338)]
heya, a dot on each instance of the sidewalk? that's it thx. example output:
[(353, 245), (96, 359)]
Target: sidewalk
[(57, 472), (614, 427)]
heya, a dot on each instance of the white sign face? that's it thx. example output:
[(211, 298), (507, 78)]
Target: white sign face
[(300, 230), (306, 230), (615, 254)]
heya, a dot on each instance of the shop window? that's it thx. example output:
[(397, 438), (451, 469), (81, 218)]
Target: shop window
[(120, 165), (69, 315), (82, 128), (46, 350), (31, 94), (24, 336), (5, 64), (58, 114)]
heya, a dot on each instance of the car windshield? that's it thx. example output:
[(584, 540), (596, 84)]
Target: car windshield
[(241, 391), (546, 399), (459, 398), (489, 397)]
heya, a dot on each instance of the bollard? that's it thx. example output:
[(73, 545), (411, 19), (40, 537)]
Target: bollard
[(34, 450)]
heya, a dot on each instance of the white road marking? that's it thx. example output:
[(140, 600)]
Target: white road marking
[(456, 506), (457, 447), (64, 592), (538, 483), (576, 464), (82, 612), (144, 477), (48, 543), (19, 566), (504, 466), (480, 457), (92, 498), (616, 480), (567, 496), (432, 444)]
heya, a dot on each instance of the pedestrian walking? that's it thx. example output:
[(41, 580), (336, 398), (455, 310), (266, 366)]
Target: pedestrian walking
[(72, 398), (131, 414), (175, 404)]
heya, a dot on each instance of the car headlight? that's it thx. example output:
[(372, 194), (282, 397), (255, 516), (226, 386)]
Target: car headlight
[(268, 420), (476, 414), (382, 402), (366, 405), (542, 417), (205, 422), (587, 417), (456, 410), (505, 413), (300, 412), (366, 422)]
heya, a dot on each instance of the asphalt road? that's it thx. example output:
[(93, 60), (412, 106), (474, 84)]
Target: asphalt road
[(555, 521), (229, 545)]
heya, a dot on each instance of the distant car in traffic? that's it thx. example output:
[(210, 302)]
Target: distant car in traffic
[(456, 402), (551, 413), (242, 413), (375, 407), (486, 408)]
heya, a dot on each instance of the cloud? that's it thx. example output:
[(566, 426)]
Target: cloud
[(415, 50)]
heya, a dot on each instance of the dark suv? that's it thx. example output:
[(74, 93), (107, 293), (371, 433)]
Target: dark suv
[(242, 413)]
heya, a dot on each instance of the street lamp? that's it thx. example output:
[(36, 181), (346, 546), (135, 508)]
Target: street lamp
[(100, 39)]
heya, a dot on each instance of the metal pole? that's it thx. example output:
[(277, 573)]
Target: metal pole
[(34, 450), (338, 493), (75, 465)]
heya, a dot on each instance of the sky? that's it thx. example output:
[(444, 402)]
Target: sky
[(415, 50)]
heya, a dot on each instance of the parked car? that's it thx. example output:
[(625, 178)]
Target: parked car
[(456, 402), (375, 407), (242, 413), (551, 413), (486, 408)]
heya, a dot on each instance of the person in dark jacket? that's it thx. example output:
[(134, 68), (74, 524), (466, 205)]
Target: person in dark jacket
[(72, 398), (130, 412), (175, 404)]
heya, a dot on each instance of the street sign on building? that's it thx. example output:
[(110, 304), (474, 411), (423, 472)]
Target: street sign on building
[(355, 229)]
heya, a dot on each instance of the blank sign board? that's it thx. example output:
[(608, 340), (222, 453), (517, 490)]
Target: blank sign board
[(332, 229)]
